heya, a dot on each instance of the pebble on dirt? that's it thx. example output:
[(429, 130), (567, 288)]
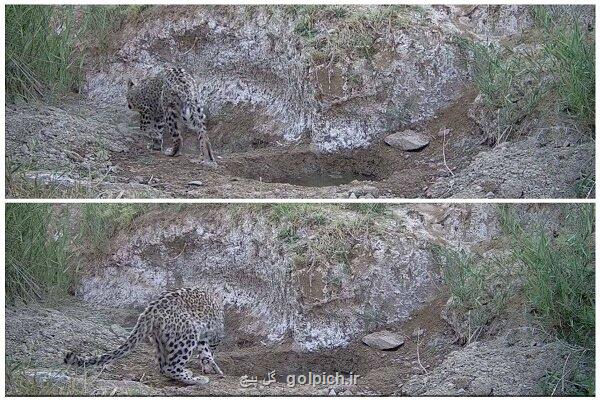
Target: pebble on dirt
[(383, 340)]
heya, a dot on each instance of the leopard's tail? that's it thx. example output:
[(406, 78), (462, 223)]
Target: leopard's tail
[(140, 331)]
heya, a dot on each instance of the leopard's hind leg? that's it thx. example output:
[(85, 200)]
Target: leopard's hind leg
[(197, 124), (207, 152), (178, 349), (160, 351), (173, 126)]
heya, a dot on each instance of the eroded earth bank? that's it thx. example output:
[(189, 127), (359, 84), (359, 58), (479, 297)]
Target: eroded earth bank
[(301, 101), (303, 286)]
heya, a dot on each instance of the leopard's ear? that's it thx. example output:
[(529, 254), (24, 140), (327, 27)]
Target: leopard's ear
[(129, 83)]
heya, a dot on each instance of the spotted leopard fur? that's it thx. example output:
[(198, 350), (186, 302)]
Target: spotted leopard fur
[(177, 323), (168, 102)]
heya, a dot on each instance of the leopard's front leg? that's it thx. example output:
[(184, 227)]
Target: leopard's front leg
[(152, 127), (157, 138), (209, 366)]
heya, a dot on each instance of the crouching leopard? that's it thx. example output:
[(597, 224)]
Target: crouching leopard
[(169, 102), (176, 323)]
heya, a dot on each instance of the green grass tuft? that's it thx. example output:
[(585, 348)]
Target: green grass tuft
[(100, 222), (479, 290), (560, 273), (573, 58), (509, 85), (558, 68), (19, 383), (40, 47), (371, 209), (44, 244), (324, 234), (37, 259), (463, 278), (353, 33), (571, 54), (46, 46)]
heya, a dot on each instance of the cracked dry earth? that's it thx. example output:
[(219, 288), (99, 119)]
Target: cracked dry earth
[(37, 337), (80, 147)]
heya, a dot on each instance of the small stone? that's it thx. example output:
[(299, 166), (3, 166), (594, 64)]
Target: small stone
[(332, 392), (195, 183), (418, 332), (462, 382), (407, 140), (74, 156), (352, 196), (443, 132), (481, 387), (383, 340), (48, 376)]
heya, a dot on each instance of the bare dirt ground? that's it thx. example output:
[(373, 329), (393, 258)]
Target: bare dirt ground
[(100, 152), (37, 338), (79, 149), (519, 359)]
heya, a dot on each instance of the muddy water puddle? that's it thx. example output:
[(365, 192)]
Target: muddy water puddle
[(306, 168), (322, 179)]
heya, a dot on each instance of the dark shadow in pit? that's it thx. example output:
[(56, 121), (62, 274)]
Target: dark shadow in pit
[(307, 168), (260, 361)]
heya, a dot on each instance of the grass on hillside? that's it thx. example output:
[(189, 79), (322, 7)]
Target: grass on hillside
[(45, 46), (356, 28), (100, 222), (571, 55), (560, 272), (44, 246), (20, 384), (336, 229), (469, 281), (560, 286), (37, 259), (516, 84)]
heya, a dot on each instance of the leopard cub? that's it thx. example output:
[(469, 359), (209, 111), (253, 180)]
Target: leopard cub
[(169, 102), (177, 323)]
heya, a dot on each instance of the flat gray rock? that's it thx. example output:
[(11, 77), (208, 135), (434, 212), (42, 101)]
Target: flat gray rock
[(383, 340), (407, 140)]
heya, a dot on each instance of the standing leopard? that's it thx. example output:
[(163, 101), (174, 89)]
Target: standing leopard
[(176, 322), (169, 102)]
